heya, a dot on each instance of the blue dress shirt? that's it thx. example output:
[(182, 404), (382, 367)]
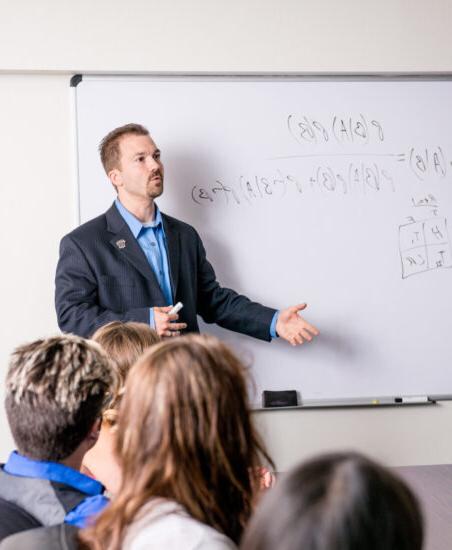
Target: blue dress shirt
[(151, 238)]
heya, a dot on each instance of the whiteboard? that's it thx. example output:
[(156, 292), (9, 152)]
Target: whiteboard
[(335, 192)]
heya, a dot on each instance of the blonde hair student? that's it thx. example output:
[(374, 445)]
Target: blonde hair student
[(188, 451), (124, 343)]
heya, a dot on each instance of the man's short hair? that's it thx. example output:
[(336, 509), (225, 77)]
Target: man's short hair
[(109, 146), (55, 390)]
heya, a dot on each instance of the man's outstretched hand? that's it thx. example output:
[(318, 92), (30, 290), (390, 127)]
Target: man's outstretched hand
[(293, 328)]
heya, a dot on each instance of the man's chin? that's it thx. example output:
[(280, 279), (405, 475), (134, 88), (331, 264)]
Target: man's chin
[(155, 193)]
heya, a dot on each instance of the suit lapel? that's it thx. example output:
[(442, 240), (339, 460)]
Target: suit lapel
[(125, 244), (173, 249)]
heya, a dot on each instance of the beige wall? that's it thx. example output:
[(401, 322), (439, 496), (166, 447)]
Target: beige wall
[(43, 42), (220, 35), (36, 207)]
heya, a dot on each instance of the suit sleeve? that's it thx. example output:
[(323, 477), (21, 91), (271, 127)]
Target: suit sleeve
[(76, 295), (227, 308)]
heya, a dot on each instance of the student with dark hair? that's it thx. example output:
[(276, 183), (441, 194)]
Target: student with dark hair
[(124, 343), (188, 451), (337, 502), (56, 390)]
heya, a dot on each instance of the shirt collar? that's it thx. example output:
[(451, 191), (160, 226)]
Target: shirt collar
[(20, 465), (134, 224)]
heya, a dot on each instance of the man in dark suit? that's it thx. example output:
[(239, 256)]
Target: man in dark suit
[(133, 262)]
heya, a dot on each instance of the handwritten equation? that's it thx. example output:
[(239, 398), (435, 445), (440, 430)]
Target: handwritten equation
[(349, 129), (355, 178), (344, 171), (427, 162), (247, 189), (424, 245)]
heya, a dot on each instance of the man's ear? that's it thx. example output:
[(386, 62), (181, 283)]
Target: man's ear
[(115, 177)]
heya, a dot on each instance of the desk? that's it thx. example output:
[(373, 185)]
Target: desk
[(433, 486)]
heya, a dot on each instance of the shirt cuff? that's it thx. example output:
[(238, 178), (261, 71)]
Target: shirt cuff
[(273, 325), (151, 318)]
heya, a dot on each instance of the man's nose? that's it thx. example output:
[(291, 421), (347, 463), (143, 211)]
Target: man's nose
[(152, 164)]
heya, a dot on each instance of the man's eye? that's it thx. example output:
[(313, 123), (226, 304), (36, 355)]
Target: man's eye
[(157, 156), (140, 159)]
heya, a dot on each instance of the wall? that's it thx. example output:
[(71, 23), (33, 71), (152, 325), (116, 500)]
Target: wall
[(215, 35), (37, 206), (43, 43)]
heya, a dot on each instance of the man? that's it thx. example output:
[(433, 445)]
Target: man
[(55, 393), (133, 262)]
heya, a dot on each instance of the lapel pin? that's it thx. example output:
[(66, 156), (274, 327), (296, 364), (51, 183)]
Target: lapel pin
[(121, 243)]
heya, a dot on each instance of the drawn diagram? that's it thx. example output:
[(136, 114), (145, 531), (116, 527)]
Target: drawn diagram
[(424, 245)]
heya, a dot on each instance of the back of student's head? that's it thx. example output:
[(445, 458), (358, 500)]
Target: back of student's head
[(185, 433), (337, 502), (55, 390), (124, 343)]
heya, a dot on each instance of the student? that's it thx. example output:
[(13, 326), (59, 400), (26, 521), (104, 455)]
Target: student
[(188, 451), (55, 392), (337, 502), (124, 343)]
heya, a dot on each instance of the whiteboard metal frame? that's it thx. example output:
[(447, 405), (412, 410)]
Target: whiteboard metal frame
[(262, 77), (75, 152)]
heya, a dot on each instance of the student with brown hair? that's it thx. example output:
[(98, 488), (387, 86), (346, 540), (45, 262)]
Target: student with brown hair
[(338, 501), (124, 343), (188, 451)]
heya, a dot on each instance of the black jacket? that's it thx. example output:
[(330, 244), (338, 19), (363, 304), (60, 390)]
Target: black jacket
[(14, 519), (103, 275)]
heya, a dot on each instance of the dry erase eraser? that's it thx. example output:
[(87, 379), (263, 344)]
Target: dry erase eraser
[(286, 398)]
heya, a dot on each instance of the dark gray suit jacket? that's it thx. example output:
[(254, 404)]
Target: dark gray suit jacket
[(103, 275), (58, 537)]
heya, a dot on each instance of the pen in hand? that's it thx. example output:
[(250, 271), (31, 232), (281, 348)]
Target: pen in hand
[(176, 308)]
